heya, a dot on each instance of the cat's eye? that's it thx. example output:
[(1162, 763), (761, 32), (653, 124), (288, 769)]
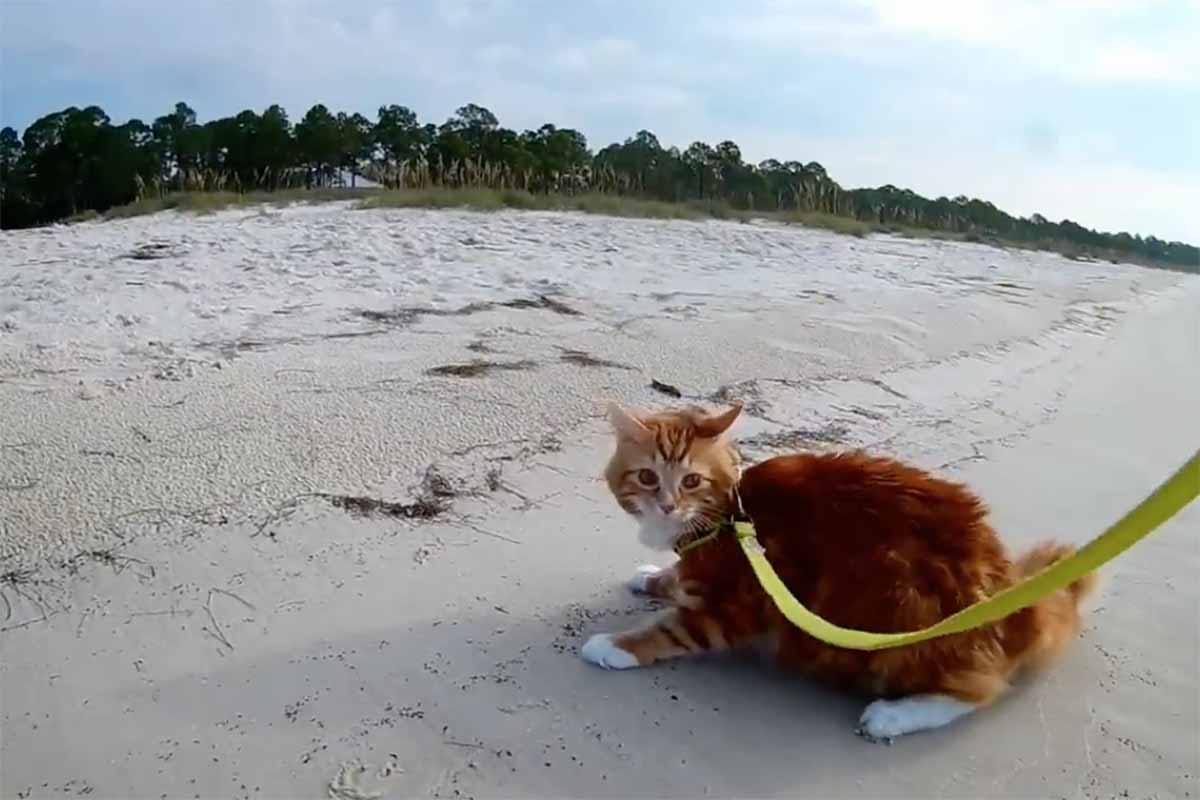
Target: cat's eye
[(647, 478), (691, 481)]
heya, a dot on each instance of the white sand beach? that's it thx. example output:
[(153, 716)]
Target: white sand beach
[(289, 492)]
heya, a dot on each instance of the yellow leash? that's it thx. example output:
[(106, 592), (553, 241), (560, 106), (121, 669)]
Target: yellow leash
[(1166, 501)]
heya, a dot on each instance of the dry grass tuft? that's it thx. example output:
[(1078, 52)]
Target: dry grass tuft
[(581, 358), (483, 199), (830, 222), (485, 191), (478, 368), (210, 202)]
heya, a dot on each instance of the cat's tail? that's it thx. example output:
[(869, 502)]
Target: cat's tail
[(1039, 634), (1045, 554)]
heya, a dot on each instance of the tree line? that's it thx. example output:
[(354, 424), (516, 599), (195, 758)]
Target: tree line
[(77, 160)]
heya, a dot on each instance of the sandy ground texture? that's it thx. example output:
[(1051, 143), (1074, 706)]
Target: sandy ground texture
[(306, 502)]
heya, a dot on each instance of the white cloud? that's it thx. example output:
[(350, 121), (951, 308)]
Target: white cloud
[(500, 54), (600, 54), (1130, 62), (467, 12), (1077, 40)]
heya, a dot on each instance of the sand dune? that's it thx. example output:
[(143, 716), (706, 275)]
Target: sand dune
[(283, 491)]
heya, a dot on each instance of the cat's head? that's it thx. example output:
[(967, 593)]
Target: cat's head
[(674, 471)]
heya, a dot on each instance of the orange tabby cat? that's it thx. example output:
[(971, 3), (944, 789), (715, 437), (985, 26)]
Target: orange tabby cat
[(865, 542)]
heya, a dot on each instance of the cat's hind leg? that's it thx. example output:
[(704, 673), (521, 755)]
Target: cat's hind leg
[(678, 632), (884, 720)]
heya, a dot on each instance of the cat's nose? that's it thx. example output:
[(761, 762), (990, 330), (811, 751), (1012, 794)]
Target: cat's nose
[(667, 508)]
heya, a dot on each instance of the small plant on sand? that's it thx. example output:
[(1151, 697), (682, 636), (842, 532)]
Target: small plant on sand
[(829, 222)]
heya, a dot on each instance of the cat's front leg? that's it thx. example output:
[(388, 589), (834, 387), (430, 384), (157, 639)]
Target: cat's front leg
[(678, 632), (653, 581), (664, 583)]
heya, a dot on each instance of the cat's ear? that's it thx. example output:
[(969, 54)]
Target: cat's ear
[(714, 425), (626, 424)]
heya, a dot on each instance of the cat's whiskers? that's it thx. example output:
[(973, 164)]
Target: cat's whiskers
[(708, 517)]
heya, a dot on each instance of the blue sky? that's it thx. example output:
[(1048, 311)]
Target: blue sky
[(1087, 109)]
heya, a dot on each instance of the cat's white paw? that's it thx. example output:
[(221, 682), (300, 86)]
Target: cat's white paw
[(601, 651), (884, 720), (641, 578)]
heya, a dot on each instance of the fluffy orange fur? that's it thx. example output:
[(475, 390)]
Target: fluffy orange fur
[(864, 541)]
